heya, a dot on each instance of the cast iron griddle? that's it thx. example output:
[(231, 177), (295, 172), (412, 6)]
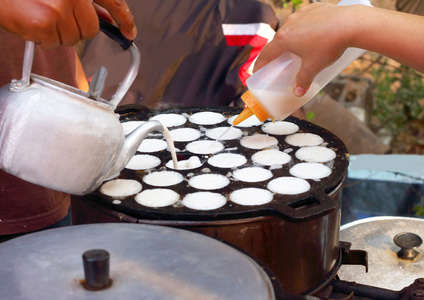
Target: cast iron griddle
[(298, 207)]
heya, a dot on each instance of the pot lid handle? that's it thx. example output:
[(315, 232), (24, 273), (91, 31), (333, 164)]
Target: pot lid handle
[(96, 269), (408, 241)]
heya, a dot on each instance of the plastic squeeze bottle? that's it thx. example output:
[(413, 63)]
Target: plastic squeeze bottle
[(270, 89)]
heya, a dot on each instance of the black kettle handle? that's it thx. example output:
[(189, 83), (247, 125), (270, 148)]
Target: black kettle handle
[(115, 34), (107, 28)]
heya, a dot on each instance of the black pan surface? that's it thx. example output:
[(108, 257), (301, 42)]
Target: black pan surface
[(313, 203)]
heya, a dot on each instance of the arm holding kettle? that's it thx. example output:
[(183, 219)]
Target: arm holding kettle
[(319, 34), (52, 23)]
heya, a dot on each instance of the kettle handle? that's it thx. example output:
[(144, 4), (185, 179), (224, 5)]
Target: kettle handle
[(112, 32)]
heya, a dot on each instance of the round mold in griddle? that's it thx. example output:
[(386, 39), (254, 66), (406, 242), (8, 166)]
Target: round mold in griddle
[(152, 145), (204, 201), (315, 154), (280, 128), (205, 147), (227, 160), (120, 188), (189, 163), (163, 178), (252, 174), (251, 196), (289, 186), (209, 181), (184, 157), (157, 197), (130, 126), (143, 162), (304, 139), (282, 205), (207, 118), (258, 141), (185, 134), (310, 171), (224, 133), (271, 157), (170, 119)]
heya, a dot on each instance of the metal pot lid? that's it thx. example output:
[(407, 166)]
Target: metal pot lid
[(146, 262), (376, 236)]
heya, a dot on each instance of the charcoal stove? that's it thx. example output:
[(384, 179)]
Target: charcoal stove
[(298, 234)]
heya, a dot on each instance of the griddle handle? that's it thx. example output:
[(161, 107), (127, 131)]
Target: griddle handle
[(114, 33), (323, 205), (315, 205)]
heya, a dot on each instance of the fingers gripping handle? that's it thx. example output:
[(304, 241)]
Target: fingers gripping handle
[(114, 33)]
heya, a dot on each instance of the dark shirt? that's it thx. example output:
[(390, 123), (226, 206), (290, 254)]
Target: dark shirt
[(193, 53)]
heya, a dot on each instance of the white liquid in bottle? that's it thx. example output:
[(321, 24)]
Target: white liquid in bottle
[(272, 86), (280, 104)]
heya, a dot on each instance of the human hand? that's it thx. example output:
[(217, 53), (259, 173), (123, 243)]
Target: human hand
[(51, 23), (317, 33)]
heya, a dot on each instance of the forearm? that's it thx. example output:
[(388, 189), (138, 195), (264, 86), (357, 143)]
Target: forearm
[(320, 33), (399, 36), (63, 22)]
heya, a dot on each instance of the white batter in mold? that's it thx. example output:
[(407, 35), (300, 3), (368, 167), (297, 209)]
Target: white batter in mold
[(280, 128), (119, 188), (251, 196), (185, 134), (152, 145), (249, 122), (310, 171), (157, 197), (227, 160), (204, 200), (252, 174), (258, 141), (315, 154), (130, 126), (204, 147), (304, 139), (209, 181), (224, 133), (206, 118), (163, 178), (191, 163), (170, 120), (271, 157), (143, 162), (288, 186)]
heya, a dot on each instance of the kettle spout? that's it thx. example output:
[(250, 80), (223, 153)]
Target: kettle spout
[(132, 142)]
